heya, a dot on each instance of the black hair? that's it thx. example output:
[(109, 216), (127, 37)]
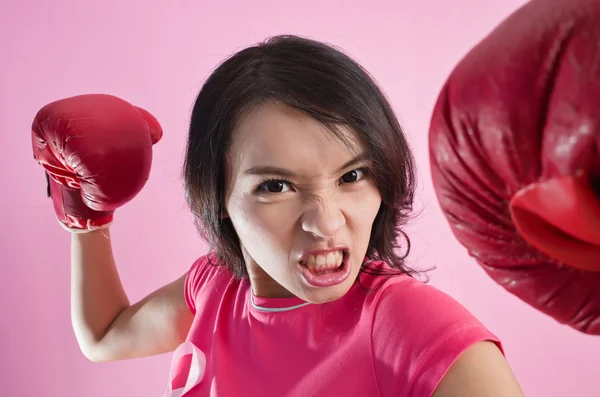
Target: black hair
[(329, 86)]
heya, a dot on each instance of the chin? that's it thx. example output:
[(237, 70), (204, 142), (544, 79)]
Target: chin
[(325, 295), (319, 295)]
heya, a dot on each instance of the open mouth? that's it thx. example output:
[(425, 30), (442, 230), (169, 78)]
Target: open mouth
[(326, 269)]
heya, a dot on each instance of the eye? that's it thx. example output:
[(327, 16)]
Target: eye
[(354, 175), (273, 186)]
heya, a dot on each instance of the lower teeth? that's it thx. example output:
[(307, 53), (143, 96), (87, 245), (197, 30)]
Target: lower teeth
[(325, 270)]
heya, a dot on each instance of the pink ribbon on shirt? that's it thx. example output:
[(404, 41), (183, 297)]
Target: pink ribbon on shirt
[(197, 368)]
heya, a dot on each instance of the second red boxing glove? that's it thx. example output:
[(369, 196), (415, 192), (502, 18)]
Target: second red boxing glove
[(514, 147)]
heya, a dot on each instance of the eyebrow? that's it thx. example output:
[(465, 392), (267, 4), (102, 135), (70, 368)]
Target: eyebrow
[(270, 170)]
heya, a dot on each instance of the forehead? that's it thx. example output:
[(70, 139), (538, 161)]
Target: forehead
[(274, 134)]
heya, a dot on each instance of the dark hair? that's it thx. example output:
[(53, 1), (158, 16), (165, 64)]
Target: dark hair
[(322, 82)]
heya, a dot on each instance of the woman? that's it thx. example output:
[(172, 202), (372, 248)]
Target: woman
[(299, 177)]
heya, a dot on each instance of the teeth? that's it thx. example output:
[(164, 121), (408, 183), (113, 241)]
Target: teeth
[(330, 259), (321, 263)]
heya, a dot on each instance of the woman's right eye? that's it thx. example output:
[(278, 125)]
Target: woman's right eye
[(273, 186)]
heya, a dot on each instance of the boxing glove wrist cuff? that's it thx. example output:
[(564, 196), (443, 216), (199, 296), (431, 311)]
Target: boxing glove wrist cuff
[(89, 227), (71, 211)]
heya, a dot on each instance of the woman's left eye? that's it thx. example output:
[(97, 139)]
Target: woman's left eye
[(353, 175)]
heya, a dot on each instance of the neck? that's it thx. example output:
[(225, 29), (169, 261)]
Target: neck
[(263, 285)]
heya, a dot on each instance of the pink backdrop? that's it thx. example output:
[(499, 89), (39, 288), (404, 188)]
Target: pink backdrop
[(157, 54)]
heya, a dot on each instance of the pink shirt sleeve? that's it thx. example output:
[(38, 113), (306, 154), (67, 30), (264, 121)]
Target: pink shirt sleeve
[(418, 333), (202, 271)]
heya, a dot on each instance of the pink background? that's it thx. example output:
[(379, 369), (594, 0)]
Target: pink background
[(156, 55)]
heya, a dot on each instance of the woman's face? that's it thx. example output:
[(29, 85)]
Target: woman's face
[(302, 203)]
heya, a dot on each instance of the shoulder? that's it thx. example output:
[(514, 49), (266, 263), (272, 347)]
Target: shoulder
[(406, 298), (205, 275), (418, 332)]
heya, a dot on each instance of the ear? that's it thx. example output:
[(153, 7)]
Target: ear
[(225, 203), (224, 214)]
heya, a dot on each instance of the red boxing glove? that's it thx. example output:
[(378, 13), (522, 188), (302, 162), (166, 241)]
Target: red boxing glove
[(514, 150), (97, 152)]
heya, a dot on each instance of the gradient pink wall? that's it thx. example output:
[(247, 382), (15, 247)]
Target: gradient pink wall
[(156, 55)]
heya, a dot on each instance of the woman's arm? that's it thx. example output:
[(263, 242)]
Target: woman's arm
[(481, 371), (106, 325)]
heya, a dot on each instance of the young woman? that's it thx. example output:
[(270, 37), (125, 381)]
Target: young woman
[(300, 178)]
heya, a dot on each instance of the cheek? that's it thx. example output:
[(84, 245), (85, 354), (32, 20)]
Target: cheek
[(365, 207), (363, 216), (263, 222)]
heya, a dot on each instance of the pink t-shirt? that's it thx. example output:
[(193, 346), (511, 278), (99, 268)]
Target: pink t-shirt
[(388, 336)]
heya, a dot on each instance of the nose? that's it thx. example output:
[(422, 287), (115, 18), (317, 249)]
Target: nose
[(323, 219)]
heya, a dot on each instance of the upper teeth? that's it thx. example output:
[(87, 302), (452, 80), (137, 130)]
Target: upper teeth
[(318, 262)]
